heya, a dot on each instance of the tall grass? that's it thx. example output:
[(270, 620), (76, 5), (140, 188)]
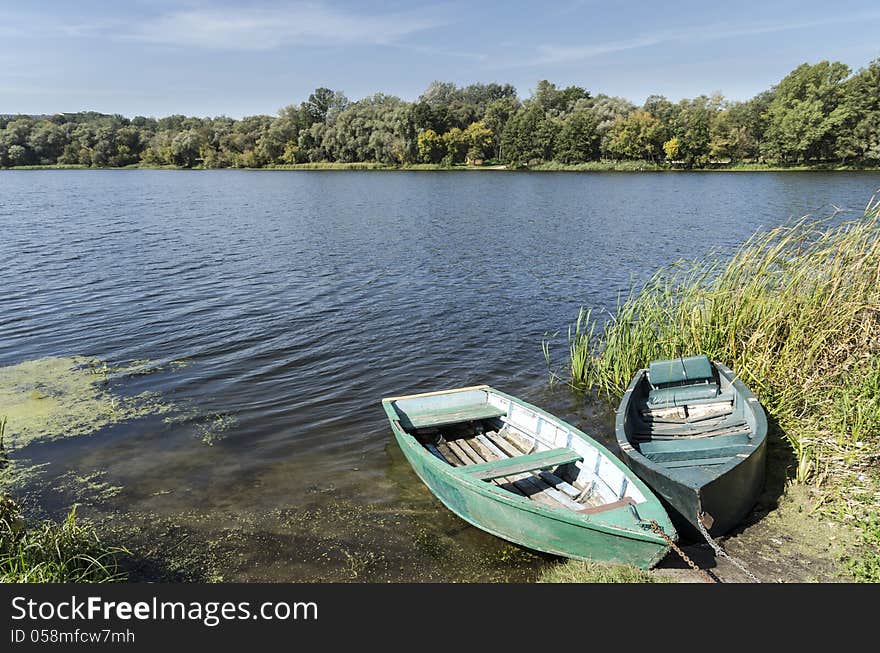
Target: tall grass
[(48, 552), (796, 314)]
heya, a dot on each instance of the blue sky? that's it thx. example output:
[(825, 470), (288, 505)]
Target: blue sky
[(243, 58)]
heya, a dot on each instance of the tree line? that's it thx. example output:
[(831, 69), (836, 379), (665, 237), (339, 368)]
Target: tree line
[(818, 113)]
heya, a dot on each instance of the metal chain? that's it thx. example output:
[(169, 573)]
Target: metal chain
[(693, 565), (721, 552)]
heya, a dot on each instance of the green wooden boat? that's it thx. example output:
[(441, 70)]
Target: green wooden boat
[(697, 436), (522, 474)]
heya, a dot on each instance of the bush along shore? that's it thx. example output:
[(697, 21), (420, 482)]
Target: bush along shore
[(796, 313)]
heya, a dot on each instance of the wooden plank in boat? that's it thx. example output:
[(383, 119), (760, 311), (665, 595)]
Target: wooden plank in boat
[(491, 452), (450, 456), (559, 484), (535, 493), (517, 440), (592, 510), (556, 497), (483, 450), (643, 436), (436, 452), (672, 412), (706, 411), (461, 453), (503, 444), (486, 442), (470, 451)]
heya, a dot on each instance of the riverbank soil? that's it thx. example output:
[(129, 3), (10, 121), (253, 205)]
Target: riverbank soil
[(782, 543)]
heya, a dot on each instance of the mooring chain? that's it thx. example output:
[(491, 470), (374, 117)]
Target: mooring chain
[(722, 553), (693, 565)]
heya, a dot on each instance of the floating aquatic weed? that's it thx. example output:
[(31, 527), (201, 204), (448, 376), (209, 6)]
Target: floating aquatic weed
[(86, 489), (58, 397), (17, 474), (215, 427)]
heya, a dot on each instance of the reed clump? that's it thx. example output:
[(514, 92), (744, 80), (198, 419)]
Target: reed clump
[(50, 552), (796, 314)]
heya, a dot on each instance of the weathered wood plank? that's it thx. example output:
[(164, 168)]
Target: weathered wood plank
[(520, 442), (537, 490), (436, 452), (503, 444), (485, 441), (559, 484), (450, 456), (461, 453), (534, 492), (613, 505), (554, 494), (470, 451), (454, 416), (484, 451), (521, 464)]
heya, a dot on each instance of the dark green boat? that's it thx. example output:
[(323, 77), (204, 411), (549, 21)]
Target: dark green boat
[(697, 436), (522, 474)]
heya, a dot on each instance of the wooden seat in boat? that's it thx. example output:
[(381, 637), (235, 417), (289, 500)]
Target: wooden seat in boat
[(521, 464)]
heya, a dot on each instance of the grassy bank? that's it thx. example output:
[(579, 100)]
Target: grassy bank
[(579, 571), (796, 313), (51, 552)]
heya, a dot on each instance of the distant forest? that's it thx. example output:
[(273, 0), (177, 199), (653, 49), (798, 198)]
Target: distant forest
[(818, 113)]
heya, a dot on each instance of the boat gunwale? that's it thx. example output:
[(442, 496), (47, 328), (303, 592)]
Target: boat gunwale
[(759, 433), (634, 531)]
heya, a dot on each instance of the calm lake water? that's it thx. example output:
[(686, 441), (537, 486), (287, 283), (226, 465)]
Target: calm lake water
[(297, 300)]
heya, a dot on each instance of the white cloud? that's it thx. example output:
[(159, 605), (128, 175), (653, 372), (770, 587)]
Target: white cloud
[(548, 54), (266, 29)]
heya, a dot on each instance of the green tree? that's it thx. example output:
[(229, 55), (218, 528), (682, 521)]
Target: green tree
[(578, 138), (859, 136), (497, 113), (691, 124), (638, 136), (528, 136), (479, 141), (806, 113), (456, 146), (672, 148), (432, 147), (186, 148), (606, 110)]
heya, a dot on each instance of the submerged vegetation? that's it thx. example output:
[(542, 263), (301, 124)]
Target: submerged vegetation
[(817, 115), (795, 313)]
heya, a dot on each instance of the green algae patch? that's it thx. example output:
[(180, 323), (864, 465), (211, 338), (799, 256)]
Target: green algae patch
[(59, 397), (15, 475), (88, 488)]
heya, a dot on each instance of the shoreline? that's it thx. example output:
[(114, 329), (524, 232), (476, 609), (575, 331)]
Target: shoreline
[(593, 166)]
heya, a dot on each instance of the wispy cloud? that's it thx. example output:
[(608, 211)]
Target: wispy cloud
[(553, 54), (270, 28)]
